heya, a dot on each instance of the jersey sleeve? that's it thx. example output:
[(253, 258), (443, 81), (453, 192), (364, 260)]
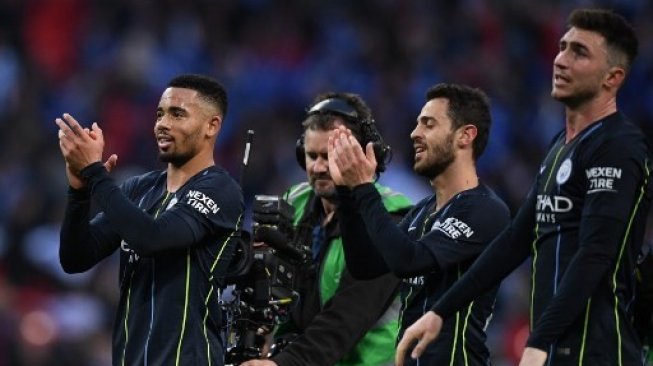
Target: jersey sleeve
[(396, 248), (449, 242), (212, 205), (362, 258), (465, 230), (84, 243), (615, 178), (209, 206)]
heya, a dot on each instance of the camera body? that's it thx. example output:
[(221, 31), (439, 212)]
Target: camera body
[(265, 279)]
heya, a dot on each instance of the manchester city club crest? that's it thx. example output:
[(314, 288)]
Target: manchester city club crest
[(564, 172)]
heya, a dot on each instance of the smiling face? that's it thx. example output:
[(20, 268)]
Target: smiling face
[(433, 139), (182, 120), (580, 68)]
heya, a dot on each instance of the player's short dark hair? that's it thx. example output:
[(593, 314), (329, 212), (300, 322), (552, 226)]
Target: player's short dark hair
[(467, 105), (209, 89), (618, 33), (326, 120)]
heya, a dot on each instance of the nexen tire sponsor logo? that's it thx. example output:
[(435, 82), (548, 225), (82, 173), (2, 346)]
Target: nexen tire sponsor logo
[(608, 172), (201, 202), (601, 179), (453, 228)]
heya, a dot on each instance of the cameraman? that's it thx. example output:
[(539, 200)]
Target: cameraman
[(340, 320)]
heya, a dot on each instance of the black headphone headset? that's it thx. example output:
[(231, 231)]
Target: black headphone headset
[(368, 130)]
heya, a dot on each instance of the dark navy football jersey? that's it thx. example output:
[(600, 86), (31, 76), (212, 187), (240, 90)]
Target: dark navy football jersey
[(583, 227), (455, 235), (591, 198), (174, 251)]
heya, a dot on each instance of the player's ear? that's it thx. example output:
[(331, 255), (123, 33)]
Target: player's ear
[(614, 77), (466, 135), (214, 125)]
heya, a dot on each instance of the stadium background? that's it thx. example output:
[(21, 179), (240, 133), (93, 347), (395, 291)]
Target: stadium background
[(108, 61)]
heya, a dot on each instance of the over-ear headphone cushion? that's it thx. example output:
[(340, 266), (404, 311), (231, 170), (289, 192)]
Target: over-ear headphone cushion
[(379, 151), (368, 131)]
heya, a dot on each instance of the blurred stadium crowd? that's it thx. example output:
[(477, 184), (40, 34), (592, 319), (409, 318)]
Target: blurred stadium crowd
[(108, 61)]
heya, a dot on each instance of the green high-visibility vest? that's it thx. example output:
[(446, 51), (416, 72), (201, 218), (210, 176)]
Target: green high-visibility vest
[(377, 347)]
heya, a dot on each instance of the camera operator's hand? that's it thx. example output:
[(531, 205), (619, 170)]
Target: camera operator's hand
[(269, 340), (259, 363)]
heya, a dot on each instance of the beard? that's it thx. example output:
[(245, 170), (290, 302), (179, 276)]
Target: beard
[(178, 159), (580, 94), (442, 156), (322, 190), (175, 159), (577, 99)]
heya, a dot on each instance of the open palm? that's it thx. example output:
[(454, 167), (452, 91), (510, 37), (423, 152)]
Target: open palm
[(349, 165), (334, 170)]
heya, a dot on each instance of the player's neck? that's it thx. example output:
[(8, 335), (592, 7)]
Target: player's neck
[(579, 118), (178, 175), (459, 176)]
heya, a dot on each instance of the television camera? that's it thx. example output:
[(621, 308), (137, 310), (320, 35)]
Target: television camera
[(263, 280)]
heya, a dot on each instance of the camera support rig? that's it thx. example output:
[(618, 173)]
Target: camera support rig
[(264, 290)]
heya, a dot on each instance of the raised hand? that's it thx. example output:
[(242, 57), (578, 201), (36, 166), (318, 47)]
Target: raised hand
[(348, 164), (334, 170), (81, 147), (78, 147)]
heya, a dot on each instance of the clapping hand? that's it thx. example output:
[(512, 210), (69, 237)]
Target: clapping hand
[(348, 164), (80, 148)]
